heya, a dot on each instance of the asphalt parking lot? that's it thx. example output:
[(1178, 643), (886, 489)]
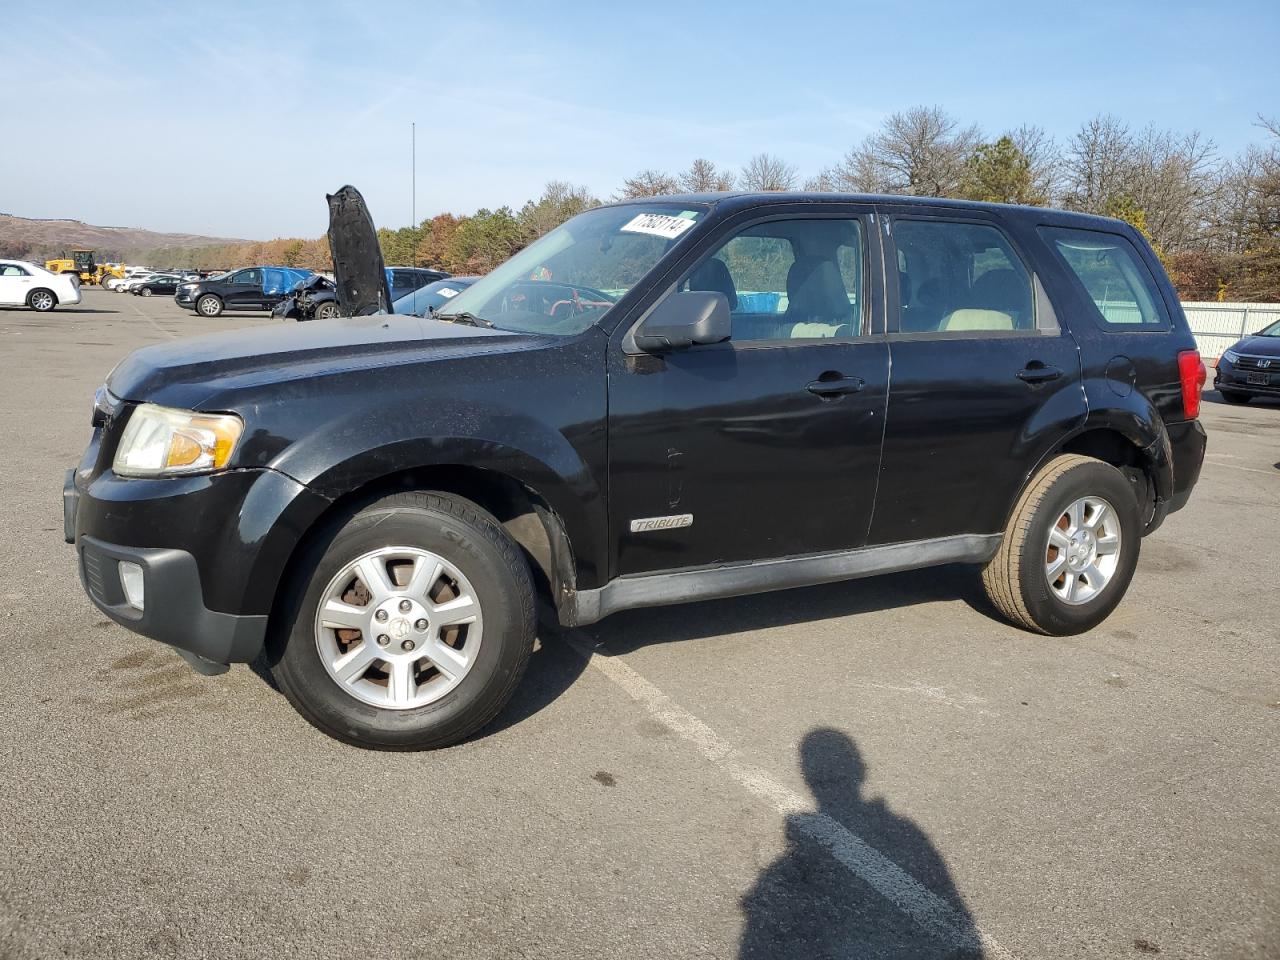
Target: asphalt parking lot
[(874, 769)]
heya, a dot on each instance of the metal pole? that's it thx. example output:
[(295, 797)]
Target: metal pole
[(413, 180)]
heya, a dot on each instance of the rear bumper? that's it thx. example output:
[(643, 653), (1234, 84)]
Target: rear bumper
[(1187, 442)]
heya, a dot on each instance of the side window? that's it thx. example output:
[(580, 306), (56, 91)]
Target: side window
[(955, 276), (1114, 276), (251, 277), (11, 270), (788, 280)]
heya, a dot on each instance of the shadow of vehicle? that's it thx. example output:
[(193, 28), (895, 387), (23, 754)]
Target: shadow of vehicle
[(1215, 397), (809, 904)]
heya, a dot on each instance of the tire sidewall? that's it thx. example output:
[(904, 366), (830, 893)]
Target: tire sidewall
[(506, 631), (1088, 479)]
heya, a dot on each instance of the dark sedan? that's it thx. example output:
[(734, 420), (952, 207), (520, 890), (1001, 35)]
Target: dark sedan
[(1251, 368), (165, 283), (432, 297)]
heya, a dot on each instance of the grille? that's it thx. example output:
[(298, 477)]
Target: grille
[(94, 574), (1256, 363)]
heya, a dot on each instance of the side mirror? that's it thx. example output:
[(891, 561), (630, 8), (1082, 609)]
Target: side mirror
[(683, 319)]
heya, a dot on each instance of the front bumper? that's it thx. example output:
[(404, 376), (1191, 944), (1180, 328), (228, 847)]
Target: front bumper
[(1227, 377), (173, 611), (212, 550)]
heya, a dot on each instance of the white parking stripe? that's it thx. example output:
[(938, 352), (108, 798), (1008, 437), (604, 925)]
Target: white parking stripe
[(930, 911)]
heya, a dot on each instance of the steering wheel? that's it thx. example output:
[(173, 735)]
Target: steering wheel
[(551, 297)]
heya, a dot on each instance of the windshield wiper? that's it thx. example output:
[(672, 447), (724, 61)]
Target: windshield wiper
[(470, 319)]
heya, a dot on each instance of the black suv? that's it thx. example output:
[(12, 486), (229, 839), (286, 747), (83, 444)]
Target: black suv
[(252, 288), (662, 400)]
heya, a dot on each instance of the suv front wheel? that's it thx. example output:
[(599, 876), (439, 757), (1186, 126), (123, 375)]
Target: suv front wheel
[(410, 627), (1069, 550)]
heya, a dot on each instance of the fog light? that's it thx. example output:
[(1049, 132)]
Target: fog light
[(131, 580)]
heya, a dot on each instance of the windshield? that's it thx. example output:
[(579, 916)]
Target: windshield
[(431, 297), (568, 279), (1270, 331)]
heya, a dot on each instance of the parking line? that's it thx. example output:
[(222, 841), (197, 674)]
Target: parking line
[(151, 320), (1236, 466), (938, 917)]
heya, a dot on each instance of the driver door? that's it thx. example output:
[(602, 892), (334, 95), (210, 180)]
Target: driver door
[(767, 445), (245, 290)]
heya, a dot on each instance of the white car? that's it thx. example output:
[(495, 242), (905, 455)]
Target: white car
[(24, 284), (128, 284)]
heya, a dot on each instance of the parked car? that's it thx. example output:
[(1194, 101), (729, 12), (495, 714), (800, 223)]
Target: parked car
[(432, 297), (1251, 367), (316, 298), (662, 400), (253, 288), (162, 283), (129, 283), (24, 284)]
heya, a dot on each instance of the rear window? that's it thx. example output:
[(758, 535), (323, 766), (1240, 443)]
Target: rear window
[(1114, 276)]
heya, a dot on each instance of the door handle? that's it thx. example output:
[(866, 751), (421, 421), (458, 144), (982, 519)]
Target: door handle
[(835, 386), (1037, 372)]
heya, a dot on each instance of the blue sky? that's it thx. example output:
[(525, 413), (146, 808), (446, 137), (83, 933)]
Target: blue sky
[(224, 119)]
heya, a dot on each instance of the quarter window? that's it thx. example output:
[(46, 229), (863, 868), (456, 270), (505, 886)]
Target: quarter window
[(1113, 275), (956, 277), (788, 280)]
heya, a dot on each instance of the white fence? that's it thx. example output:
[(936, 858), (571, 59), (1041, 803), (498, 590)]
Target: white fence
[(1218, 325)]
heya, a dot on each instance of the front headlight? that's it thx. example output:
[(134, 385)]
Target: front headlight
[(1230, 356), (162, 442)]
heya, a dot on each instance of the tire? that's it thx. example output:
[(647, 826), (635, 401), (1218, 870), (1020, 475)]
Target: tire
[(209, 306), (373, 708), (326, 310), (42, 300), (1017, 579), (1232, 397), (146, 291)]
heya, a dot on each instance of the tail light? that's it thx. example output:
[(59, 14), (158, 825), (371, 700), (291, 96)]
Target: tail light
[(1192, 373)]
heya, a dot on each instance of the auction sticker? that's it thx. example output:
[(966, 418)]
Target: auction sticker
[(658, 224), (447, 292)]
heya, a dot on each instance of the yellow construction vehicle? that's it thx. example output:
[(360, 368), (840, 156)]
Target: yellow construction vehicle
[(81, 263)]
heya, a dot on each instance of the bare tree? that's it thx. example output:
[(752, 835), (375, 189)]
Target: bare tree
[(559, 202), (647, 183), (1097, 164), (1044, 157), (855, 172), (1173, 179), (767, 172), (704, 177), (921, 151)]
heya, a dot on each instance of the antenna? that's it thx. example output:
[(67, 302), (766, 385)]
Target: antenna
[(413, 187)]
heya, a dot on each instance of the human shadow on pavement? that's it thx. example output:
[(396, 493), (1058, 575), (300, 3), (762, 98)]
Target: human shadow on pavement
[(827, 896)]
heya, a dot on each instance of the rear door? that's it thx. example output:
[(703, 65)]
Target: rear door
[(767, 445), (15, 284), (984, 380)]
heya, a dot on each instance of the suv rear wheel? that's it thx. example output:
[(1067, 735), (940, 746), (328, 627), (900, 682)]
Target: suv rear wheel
[(411, 626), (1070, 549)]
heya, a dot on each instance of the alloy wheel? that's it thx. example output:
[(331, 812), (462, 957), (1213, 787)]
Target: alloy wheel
[(398, 628), (1083, 552)]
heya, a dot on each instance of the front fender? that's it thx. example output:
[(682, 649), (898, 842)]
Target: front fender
[(340, 460)]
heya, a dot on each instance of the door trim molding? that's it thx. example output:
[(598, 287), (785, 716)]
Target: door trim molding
[(731, 580)]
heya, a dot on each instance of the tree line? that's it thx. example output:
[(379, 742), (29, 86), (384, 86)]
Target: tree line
[(1213, 219)]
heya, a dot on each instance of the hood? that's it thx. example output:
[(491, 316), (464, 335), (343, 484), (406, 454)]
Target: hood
[(187, 372), (358, 267), (1259, 346)]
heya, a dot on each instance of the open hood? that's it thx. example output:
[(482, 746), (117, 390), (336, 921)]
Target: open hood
[(357, 259)]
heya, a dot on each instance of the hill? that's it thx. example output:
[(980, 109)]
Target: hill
[(23, 237)]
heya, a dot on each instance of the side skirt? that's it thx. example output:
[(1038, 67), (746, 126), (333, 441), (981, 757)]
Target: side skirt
[(707, 583)]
